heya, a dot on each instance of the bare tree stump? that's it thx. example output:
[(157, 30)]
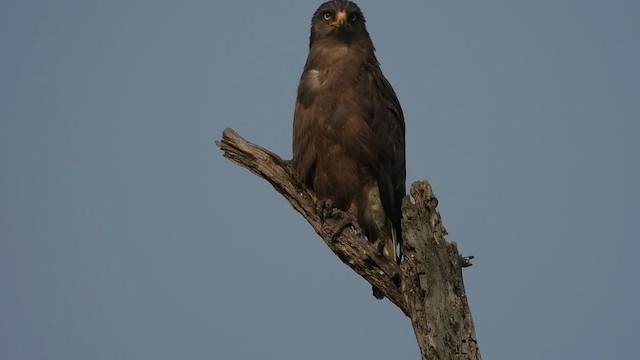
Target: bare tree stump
[(427, 286)]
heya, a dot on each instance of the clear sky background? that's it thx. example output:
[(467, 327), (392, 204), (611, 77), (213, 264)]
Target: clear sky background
[(124, 234)]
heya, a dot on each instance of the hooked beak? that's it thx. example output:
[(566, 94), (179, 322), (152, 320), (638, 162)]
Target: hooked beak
[(341, 20)]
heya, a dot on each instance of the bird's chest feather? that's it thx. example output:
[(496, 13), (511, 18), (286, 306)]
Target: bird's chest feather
[(338, 109), (336, 100), (334, 95)]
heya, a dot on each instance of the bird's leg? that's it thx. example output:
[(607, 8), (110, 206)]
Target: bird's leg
[(380, 246), (377, 240), (326, 209)]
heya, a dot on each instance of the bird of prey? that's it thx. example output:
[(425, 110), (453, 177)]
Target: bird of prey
[(348, 128)]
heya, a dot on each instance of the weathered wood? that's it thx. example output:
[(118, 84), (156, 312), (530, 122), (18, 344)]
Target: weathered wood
[(427, 286), (432, 281)]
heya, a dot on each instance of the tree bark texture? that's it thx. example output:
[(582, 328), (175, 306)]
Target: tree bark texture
[(426, 286)]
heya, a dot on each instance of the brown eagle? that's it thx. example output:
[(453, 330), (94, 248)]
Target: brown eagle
[(348, 127)]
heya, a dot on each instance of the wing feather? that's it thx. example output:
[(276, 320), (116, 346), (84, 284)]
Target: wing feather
[(387, 123)]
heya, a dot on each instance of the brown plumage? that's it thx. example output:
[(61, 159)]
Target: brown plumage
[(348, 127)]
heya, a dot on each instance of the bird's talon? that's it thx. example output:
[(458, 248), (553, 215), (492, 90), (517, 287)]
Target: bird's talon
[(326, 209), (339, 228)]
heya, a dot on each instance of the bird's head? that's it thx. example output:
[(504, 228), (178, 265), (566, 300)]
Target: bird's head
[(338, 19)]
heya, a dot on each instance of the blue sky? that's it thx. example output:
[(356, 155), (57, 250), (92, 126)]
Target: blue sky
[(124, 234)]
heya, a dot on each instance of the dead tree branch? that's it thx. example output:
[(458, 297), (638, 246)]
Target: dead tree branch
[(427, 286)]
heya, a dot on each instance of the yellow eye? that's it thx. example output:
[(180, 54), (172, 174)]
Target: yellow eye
[(353, 17), (326, 16)]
